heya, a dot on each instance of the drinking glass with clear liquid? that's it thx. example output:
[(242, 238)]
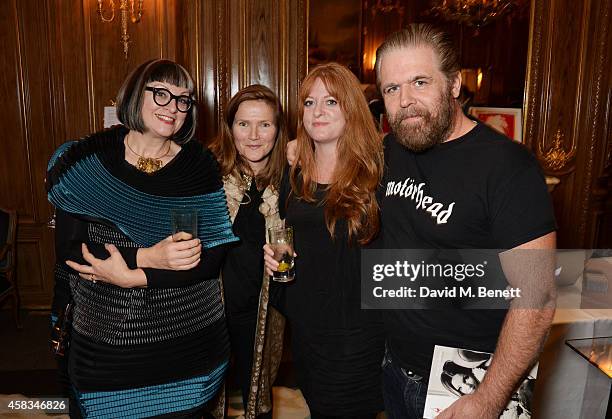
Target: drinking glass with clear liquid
[(280, 240), (186, 220)]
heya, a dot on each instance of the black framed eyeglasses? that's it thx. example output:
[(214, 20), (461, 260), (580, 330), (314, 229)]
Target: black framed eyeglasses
[(162, 97)]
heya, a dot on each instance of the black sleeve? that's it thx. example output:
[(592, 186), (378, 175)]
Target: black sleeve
[(61, 289), (208, 268), (71, 232), (521, 209), (61, 292), (378, 240)]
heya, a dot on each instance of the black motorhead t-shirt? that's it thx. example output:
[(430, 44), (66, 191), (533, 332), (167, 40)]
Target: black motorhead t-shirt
[(479, 191)]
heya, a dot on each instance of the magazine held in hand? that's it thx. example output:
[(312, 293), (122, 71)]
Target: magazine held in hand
[(456, 372)]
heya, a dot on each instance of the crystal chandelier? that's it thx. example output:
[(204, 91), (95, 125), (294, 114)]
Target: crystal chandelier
[(474, 13)]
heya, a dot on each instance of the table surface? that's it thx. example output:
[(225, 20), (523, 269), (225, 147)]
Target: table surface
[(596, 350)]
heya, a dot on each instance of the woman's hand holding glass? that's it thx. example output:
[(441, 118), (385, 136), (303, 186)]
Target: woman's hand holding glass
[(177, 252), (271, 264), (269, 261), (170, 254)]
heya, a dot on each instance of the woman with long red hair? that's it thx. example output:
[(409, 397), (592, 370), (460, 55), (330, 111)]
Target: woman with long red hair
[(329, 199)]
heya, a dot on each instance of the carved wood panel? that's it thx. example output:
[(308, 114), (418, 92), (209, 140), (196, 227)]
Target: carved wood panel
[(566, 101), (233, 43)]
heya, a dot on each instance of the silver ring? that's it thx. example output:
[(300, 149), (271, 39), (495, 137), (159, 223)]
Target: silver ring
[(92, 277)]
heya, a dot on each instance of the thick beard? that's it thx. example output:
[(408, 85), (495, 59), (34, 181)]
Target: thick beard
[(431, 130)]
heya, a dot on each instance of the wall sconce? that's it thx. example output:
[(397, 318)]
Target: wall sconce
[(127, 8)]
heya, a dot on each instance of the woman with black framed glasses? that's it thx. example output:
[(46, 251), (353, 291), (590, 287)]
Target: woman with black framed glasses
[(148, 336)]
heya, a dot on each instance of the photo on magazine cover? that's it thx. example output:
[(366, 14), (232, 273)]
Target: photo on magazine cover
[(456, 372)]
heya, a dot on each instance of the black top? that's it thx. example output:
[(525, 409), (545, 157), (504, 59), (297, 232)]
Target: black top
[(480, 191), (325, 294), (337, 347), (193, 171), (243, 268)]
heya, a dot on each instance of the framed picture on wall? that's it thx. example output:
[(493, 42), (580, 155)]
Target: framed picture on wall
[(508, 121)]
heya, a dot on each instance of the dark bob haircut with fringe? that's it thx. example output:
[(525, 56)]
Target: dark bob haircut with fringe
[(131, 95)]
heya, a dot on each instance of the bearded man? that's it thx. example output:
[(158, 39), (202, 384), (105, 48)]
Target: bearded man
[(453, 183)]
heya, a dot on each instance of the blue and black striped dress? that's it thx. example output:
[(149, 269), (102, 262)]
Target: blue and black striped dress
[(159, 351)]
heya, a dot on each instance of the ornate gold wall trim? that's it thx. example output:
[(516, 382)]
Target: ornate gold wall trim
[(556, 157), (283, 54), (244, 78), (222, 72), (533, 79)]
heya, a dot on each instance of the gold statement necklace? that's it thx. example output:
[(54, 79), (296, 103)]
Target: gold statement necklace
[(148, 165)]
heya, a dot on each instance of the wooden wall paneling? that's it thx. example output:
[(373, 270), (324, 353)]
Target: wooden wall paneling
[(34, 257), (379, 20), (205, 50), (565, 107), (252, 42), (109, 31), (500, 50), (39, 111), (224, 70), (296, 47), (596, 214), (70, 70), (60, 18), (603, 237), (534, 77), (274, 33), (14, 176), (155, 36), (35, 266), (42, 116), (277, 51), (538, 106), (586, 118), (108, 66), (265, 35), (283, 82), (64, 66), (238, 54), (556, 146), (169, 29), (182, 14)]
